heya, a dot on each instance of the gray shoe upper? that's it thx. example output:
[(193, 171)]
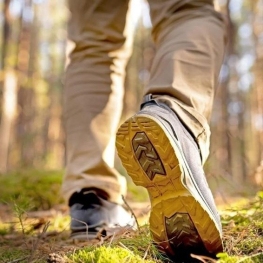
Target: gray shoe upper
[(189, 149), (98, 213)]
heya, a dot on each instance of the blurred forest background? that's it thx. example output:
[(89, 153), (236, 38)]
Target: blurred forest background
[(33, 47)]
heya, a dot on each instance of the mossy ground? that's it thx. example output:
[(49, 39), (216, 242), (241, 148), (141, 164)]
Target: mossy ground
[(34, 225)]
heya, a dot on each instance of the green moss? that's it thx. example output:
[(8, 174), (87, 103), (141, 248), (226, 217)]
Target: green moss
[(132, 247), (106, 254), (225, 258)]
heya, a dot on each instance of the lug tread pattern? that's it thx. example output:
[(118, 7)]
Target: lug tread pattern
[(181, 231), (147, 155)]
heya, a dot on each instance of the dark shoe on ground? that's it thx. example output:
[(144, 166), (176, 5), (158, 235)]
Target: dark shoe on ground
[(159, 153), (92, 215)]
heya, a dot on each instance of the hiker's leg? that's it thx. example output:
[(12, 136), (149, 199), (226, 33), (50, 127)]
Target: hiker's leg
[(189, 37), (93, 95)]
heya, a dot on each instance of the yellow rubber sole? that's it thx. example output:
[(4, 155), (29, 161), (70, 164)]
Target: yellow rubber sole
[(177, 221)]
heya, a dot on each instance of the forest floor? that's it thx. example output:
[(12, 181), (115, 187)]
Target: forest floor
[(34, 227)]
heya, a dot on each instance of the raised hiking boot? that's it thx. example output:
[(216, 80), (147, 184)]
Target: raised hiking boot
[(159, 154), (92, 214)]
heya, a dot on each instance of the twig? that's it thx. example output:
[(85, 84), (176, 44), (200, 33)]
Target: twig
[(111, 240), (122, 245), (18, 260), (203, 258), (146, 252), (135, 218), (84, 223)]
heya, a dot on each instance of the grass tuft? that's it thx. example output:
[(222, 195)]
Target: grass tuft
[(10, 254), (243, 230)]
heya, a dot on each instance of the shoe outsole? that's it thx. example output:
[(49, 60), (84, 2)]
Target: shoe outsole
[(178, 222)]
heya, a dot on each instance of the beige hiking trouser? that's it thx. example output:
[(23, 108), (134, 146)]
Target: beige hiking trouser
[(189, 37)]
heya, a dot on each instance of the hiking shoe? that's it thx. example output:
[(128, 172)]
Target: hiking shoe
[(92, 215), (159, 154)]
